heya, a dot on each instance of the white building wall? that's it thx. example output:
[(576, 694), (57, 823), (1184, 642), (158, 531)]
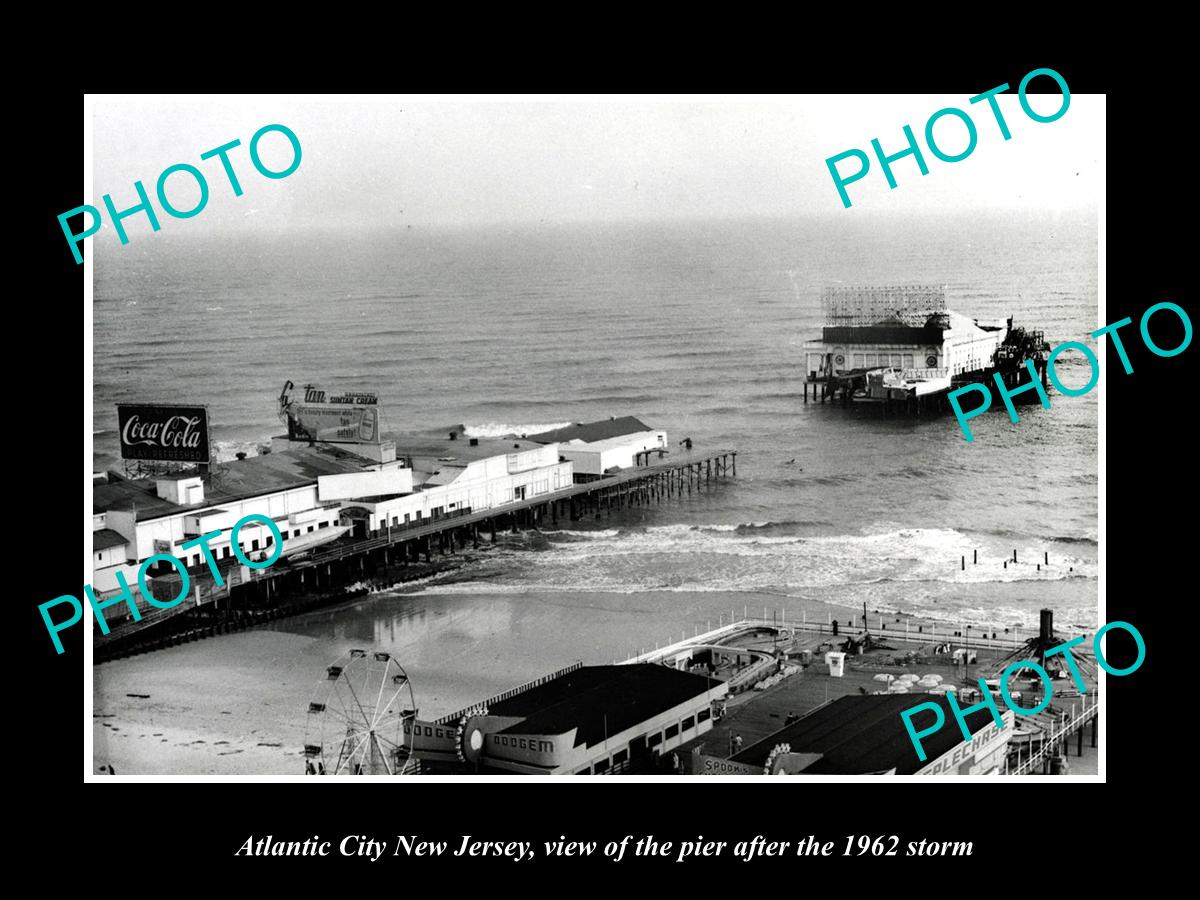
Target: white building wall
[(973, 352), (567, 758), (478, 493), (348, 485), (104, 580), (596, 457), (182, 526)]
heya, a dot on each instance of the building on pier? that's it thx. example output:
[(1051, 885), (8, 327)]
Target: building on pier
[(583, 720), (607, 446), (865, 735), (307, 489), (456, 476), (901, 343), (156, 516)]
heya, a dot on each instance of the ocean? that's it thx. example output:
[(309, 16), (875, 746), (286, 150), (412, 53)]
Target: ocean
[(693, 327)]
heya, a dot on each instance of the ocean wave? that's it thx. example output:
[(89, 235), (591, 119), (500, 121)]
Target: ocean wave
[(765, 527), (1081, 539), (502, 429), (763, 557), (227, 451)]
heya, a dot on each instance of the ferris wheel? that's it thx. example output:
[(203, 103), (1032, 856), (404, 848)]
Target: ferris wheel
[(358, 716)]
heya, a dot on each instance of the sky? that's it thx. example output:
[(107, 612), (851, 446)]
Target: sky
[(415, 161)]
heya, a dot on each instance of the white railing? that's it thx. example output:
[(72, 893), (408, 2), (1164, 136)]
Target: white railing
[(923, 374), (1066, 725)]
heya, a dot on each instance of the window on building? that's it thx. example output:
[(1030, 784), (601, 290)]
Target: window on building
[(310, 529), (270, 540), (704, 715), (396, 520), (672, 731), (601, 766), (406, 518), (324, 525), (620, 756), (254, 544), (654, 740), (196, 560), (224, 553), (689, 722), (858, 361), (586, 770)]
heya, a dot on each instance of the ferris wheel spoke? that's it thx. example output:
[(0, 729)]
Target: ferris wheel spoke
[(350, 757), (348, 704), (358, 703), (388, 741), (379, 697), (388, 723), (391, 700), (383, 755), (339, 714)]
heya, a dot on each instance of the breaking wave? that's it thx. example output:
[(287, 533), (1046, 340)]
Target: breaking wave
[(767, 557), (226, 451), (501, 429)]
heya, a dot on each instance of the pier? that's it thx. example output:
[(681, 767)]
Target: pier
[(867, 388), (1055, 739), (396, 554), (926, 633)]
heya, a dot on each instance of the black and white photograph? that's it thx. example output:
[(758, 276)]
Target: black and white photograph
[(465, 438)]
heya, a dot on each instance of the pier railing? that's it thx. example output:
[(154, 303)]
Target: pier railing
[(453, 717), (1056, 735), (925, 633)]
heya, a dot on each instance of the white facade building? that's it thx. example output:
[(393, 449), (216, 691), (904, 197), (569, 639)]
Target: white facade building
[(305, 490), (594, 458)]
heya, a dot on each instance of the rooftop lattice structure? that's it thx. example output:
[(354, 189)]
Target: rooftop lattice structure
[(911, 305)]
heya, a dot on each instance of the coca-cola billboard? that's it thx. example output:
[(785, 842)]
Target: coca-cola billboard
[(171, 433)]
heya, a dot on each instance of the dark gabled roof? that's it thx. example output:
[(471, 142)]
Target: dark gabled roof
[(857, 735), (591, 431), (600, 699), (104, 538)]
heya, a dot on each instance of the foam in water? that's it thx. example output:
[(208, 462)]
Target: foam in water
[(707, 558), (501, 429)]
